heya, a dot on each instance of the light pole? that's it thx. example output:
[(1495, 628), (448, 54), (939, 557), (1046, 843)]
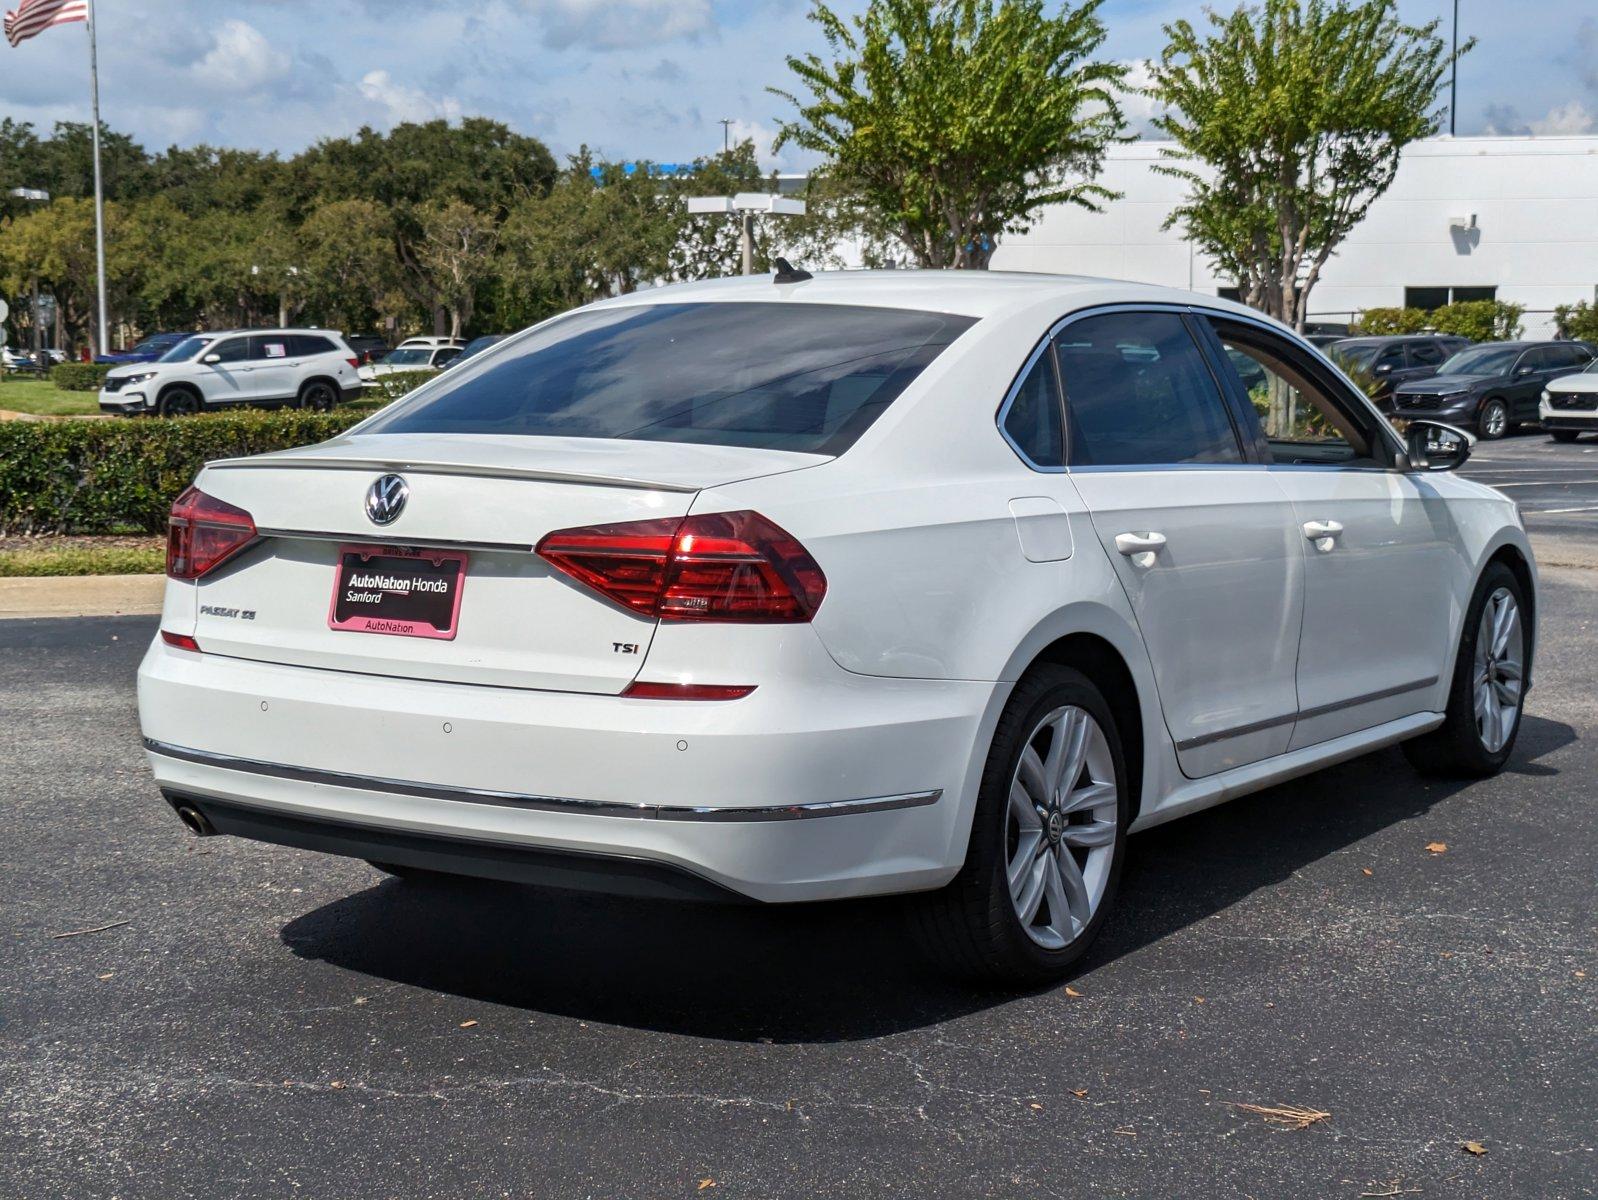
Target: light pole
[(746, 205), (726, 134), (33, 196), (1453, 78)]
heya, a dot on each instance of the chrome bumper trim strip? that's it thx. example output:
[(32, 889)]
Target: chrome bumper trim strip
[(596, 808), (1305, 714)]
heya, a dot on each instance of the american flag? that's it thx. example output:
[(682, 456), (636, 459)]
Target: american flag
[(33, 17)]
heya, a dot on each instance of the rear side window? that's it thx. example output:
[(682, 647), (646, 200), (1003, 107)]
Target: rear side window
[(1426, 354), (775, 375), (1138, 392), (269, 346), (1032, 418), (303, 345)]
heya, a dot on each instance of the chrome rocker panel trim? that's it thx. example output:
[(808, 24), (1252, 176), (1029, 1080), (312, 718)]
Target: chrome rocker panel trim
[(596, 808)]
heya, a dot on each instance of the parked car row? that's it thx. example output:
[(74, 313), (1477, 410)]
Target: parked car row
[(1489, 388)]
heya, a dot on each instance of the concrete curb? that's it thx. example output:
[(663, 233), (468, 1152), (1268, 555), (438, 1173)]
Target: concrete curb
[(81, 596)]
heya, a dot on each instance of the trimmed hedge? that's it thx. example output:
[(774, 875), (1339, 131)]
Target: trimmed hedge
[(400, 383), (1376, 322), (79, 377), (122, 476)]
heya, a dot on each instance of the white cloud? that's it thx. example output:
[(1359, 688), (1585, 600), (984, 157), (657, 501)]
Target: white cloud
[(1140, 110), (1561, 120), (762, 137), (616, 24), (241, 59), (1572, 118), (400, 103)]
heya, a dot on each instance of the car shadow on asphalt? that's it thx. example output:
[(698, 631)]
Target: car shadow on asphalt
[(840, 971)]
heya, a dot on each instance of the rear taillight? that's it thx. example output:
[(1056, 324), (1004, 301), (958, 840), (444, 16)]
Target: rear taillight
[(203, 533), (354, 362), (734, 566)]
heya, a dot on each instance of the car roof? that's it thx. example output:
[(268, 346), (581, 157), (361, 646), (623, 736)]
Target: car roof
[(965, 293)]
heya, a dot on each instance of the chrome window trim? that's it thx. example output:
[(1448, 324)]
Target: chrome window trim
[(596, 808)]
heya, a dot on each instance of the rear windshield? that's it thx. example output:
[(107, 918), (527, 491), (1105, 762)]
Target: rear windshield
[(804, 377)]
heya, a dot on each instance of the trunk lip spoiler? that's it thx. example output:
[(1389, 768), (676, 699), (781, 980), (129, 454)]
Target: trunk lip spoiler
[(479, 471)]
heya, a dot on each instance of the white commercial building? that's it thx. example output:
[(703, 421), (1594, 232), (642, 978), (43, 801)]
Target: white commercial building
[(1512, 218)]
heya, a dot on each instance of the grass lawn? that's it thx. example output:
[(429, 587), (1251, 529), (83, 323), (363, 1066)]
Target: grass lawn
[(43, 397), (140, 555)]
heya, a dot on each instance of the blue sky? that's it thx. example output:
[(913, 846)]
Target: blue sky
[(632, 78)]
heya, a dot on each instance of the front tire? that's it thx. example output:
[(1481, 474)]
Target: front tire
[(181, 402), (1488, 693), (1493, 422), (1047, 839)]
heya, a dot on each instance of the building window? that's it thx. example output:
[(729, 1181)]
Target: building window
[(1431, 298)]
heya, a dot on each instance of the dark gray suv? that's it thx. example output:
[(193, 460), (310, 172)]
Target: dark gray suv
[(1491, 388), (1390, 361)]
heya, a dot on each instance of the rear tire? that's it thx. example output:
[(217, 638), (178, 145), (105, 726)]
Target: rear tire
[(1056, 826), (317, 396), (1563, 435), (1488, 694), (1493, 422)]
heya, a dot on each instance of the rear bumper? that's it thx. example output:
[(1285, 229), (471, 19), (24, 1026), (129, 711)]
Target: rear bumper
[(834, 786)]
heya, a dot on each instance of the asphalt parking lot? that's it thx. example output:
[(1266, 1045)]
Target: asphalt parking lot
[(1555, 485), (262, 1022)]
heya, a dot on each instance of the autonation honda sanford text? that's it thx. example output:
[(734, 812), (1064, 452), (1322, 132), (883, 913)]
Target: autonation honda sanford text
[(393, 590)]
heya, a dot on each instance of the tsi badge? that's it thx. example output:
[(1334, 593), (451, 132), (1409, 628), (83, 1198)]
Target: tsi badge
[(385, 499)]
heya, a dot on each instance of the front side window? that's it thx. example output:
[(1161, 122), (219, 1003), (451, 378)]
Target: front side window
[(1138, 392), (774, 375), (1032, 421), (1301, 422), (233, 350)]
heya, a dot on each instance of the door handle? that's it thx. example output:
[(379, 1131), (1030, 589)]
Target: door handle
[(1323, 533), (1141, 548)]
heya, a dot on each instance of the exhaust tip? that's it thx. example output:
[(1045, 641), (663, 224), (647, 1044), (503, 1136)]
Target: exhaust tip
[(195, 821)]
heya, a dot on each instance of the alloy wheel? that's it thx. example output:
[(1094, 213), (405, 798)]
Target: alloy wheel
[(1060, 826), (1495, 420), (1500, 663)]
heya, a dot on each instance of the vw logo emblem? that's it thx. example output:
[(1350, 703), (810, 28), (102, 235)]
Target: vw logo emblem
[(385, 499)]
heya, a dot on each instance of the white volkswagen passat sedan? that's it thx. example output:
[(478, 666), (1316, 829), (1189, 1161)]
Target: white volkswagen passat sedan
[(928, 583)]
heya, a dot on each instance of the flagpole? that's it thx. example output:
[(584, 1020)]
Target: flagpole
[(99, 192)]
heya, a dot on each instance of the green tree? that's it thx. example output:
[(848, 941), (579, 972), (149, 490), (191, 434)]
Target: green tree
[(1289, 119), (456, 254), (955, 120), (1578, 320), (350, 273), (56, 243), (414, 169)]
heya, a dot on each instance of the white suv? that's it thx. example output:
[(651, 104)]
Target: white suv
[(306, 368)]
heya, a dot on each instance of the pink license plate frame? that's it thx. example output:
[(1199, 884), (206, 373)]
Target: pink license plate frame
[(360, 555)]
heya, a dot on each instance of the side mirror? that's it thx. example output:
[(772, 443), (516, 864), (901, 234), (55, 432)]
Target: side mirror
[(1519, 371), (211, 359), (1434, 446), (1384, 369)]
